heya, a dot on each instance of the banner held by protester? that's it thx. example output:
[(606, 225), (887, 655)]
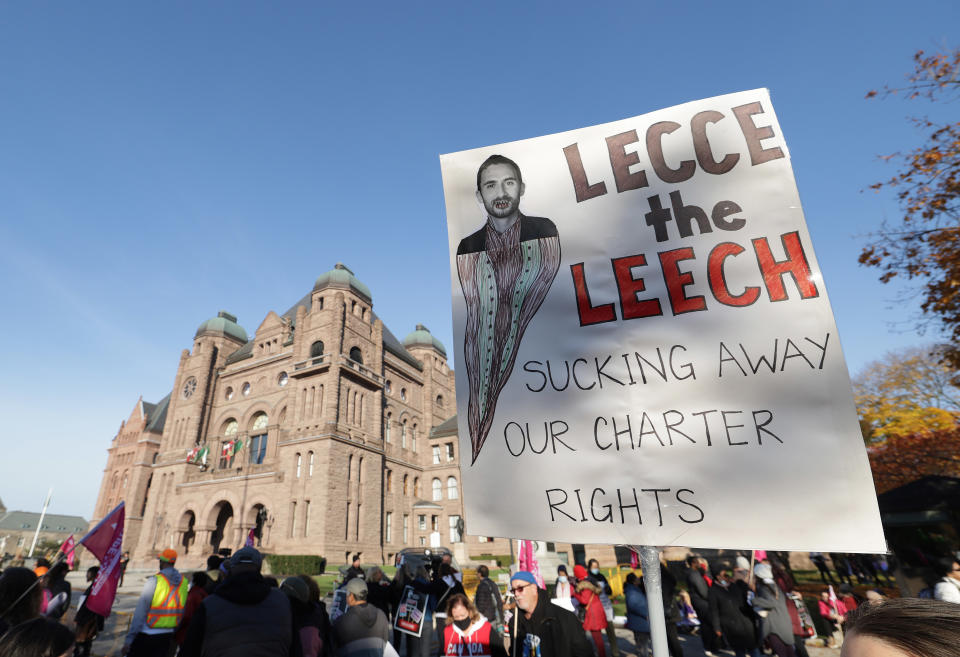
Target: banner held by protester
[(105, 541), (645, 344)]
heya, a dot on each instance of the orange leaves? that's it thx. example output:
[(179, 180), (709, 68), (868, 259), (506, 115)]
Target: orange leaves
[(899, 460)]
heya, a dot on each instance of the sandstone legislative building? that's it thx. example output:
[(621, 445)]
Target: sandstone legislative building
[(323, 433)]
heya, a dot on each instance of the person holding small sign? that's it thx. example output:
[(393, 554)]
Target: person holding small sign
[(541, 628)]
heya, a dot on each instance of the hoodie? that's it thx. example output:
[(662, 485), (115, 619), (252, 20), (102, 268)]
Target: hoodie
[(138, 623), (355, 629), (472, 639), (551, 631)]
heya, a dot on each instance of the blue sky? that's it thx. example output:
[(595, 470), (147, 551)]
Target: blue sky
[(160, 162)]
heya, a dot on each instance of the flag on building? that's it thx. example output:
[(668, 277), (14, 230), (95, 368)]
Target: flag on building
[(529, 562), (198, 455), (67, 549), (193, 454), (105, 542), (250, 537)]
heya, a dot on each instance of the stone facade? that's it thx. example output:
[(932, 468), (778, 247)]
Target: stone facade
[(347, 440)]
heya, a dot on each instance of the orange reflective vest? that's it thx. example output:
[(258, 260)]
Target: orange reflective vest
[(166, 608)]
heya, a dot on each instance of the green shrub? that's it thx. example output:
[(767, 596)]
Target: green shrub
[(501, 559), (296, 564)]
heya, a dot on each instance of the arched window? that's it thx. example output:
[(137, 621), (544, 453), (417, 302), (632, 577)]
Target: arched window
[(356, 355), (437, 490), (349, 467), (440, 401), (258, 441), (316, 349), (299, 459), (413, 438), (416, 486), (309, 464), (360, 470), (403, 434), (389, 481), (452, 492), (386, 428), (230, 427), (406, 485)]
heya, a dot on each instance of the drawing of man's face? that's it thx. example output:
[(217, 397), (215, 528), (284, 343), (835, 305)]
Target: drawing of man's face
[(500, 190)]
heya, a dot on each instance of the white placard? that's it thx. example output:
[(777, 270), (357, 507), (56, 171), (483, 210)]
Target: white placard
[(646, 354)]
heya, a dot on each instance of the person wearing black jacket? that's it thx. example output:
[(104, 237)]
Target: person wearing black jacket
[(668, 585), (354, 570), (244, 617), (699, 590), (730, 614), (540, 627), (487, 599)]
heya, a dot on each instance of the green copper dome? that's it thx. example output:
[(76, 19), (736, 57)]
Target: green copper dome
[(422, 337), (223, 324), (341, 276)]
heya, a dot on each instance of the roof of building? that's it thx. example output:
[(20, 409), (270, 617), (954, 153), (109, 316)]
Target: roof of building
[(421, 337), (423, 504), (390, 341), (157, 415), (223, 324), (447, 428), (341, 276), (27, 521)]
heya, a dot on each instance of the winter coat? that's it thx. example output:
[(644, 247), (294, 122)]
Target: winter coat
[(638, 612), (588, 595), (488, 600), (699, 590), (352, 632), (730, 613), (244, 618), (777, 621), (557, 632)]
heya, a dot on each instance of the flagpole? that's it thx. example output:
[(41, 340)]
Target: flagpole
[(43, 513), (650, 563)]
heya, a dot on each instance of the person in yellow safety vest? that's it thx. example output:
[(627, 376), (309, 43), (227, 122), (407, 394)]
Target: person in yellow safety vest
[(158, 611)]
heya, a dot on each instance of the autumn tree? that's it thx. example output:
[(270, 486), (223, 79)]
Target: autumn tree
[(924, 245), (898, 460), (908, 392)]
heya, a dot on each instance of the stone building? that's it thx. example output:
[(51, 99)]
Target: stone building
[(17, 529), (324, 433)]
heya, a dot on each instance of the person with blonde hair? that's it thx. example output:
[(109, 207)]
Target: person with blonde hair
[(468, 632)]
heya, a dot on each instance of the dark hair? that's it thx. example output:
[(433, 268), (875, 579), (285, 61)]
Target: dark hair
[(214, 561), (313, 587), (692, 560), (356, 557), (43, 562), (201, 579), (720, 566), (461, 599), (40, 637), (498, 159), (13, 583), (92, 572), (918, 626), (483, 571), (561, 568), (57, 573), (944, 566), (631, 578), (593, 561)]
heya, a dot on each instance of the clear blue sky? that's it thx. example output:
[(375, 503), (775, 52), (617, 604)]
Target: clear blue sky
[(162, 161)]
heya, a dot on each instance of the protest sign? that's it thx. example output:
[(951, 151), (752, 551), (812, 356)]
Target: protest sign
[(646, 352), (339, 605), (411, 612)]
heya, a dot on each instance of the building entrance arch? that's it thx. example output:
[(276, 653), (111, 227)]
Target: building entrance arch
[(222, 513), (187, 530)]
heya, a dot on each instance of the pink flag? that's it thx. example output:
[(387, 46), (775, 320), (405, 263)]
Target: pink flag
[(634, 560), (760, 555), (529, 562), (105, 542), (67, 549), (249, 542)]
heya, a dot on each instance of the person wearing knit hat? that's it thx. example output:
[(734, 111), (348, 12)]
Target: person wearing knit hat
[(159, 610), (541, 627)]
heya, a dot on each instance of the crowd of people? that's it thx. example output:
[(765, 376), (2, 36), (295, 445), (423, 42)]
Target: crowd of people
[(232, 609)]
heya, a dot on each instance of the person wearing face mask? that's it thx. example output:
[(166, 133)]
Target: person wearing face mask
[(775, 625), (730, 614), (595, 576), (563, 590), (468, 632)]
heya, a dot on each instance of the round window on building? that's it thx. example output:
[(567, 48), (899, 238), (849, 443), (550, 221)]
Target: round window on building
[(228, 394), (282, 379), (245, 390), (189, 387)]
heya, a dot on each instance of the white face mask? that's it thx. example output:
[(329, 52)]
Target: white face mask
[(562, 578)]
